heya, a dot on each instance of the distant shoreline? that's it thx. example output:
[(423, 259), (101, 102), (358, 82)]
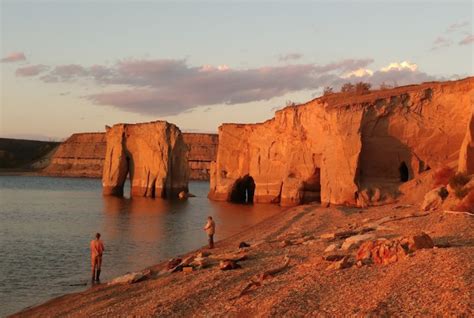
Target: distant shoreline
[(16, 172), (38, 173)]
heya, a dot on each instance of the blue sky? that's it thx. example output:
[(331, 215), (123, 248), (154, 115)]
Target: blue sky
[(76, 66)]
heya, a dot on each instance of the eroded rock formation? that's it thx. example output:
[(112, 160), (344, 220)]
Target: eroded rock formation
[(81, 155), (155, 156), (202, 151), (336, 148), (466, 155)]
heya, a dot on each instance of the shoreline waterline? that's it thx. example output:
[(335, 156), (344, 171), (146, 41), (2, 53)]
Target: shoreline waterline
[(138, 233), (161, 263)]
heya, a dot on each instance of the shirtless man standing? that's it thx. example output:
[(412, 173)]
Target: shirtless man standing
[(97, 249)]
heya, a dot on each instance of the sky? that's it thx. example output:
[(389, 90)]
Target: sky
[(76, 66)]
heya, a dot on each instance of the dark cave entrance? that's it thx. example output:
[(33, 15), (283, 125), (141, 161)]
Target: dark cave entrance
[(243, 190), (404, 172), (312, 187)]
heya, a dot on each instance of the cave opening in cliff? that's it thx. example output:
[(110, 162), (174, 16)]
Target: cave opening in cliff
[(243, 190), (312, 187), (128, 173), (404, 172)]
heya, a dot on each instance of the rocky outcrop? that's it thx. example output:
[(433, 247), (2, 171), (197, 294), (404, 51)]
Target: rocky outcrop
[(466, 155), (202, 151), (334, 147), (153, 154), (81, 155)]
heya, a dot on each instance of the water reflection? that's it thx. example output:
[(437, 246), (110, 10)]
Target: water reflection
[(143, 231), (44, 239)]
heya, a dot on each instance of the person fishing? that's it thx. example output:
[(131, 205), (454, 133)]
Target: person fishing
[(97, 249), (210, 229)]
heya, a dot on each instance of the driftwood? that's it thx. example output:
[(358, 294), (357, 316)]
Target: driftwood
[(185, 262), (258, 279), (236, 257), (405, 217), (459, 212), (405, 206)]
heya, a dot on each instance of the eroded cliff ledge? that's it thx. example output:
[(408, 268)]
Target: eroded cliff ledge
[(345, 149), (153, 154), (202, 151), (81, 155)]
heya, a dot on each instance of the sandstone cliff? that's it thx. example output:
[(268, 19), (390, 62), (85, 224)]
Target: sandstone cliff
[(345, 149), (202, 151), (153, 154), (466, 155), (81, 155)]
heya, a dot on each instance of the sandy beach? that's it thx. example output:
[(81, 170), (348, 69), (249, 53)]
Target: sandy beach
[(429, 282)]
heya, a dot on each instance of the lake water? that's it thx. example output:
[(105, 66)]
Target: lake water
[(46, 225)]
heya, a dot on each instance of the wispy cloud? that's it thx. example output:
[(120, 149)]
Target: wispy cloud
[(31, 70), (290, 57), (467, 40), (454, 30), (441, 42), (457, 26), (64, 73), (14, 57)]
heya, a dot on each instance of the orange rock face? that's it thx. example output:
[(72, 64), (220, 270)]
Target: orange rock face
[(155, 156), (334, 147), (466, 155), (202, 151), (81, 155)]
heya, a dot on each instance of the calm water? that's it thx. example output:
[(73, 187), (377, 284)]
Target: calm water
[(46, 225)]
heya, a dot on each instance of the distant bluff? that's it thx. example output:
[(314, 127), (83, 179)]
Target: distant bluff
[(347, 149), (81, 155)]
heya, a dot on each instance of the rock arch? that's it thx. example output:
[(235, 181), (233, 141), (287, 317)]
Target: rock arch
[(243, 190), (153, 154)]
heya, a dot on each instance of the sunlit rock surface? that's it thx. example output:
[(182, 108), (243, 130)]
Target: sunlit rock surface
[(334, 147), (81, 155), (155, 156)]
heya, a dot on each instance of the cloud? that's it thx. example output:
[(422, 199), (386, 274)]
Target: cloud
[(14, 57), (396, 73), (290, 57), (400, 67), (361, 72), (31, 70), (467, 40), (169, 87), (64, 73), (441, 42), (457, 26), (460, 28)]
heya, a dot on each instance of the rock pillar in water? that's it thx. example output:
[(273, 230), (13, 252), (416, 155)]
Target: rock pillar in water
[(153, 155)]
